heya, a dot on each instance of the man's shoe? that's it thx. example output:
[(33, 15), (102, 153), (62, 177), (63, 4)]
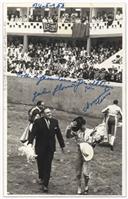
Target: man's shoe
[(86, 191), (45, 189)]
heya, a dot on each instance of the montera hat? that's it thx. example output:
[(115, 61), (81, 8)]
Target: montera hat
[(87, 151)]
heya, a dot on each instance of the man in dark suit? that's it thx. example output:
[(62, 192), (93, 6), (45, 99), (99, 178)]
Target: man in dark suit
[(44, 131)]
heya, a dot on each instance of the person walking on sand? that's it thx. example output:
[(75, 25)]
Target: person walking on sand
[(44, 131), (112, 112), (86, 140)]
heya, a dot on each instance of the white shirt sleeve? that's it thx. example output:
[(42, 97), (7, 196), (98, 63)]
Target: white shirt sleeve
[(105, 109)]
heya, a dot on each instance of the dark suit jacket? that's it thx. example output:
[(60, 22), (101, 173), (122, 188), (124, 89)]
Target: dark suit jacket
[(45, 137)]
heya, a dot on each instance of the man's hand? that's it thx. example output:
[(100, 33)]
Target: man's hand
[(73, 124)]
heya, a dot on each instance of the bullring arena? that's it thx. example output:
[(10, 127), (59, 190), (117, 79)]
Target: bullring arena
[(106, 165), (78, 78)]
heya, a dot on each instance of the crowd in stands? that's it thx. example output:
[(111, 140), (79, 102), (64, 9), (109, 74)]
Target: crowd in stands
[(52, 19), (17, 18), (73, 18), (33, 18), (107, 18), (65, 18), (68, 18), (62, 59)]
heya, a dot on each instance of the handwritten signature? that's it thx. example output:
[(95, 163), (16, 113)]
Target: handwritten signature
[(48, 5), (74, 85), (43, 92), (45, 77), (59, 88), (98, 99)]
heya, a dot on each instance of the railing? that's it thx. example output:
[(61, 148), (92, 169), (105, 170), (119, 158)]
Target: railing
[(109, 63), (37, 28), (104, 25), (101, 28)]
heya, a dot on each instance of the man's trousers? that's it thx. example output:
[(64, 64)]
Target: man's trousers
[(111, 129), (44, 163)]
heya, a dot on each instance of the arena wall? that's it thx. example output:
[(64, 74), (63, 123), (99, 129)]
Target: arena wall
[(20, 91)]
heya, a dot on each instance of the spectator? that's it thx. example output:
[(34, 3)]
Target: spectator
[(118, 16), (24, 18), (110, 19), (44, 20), (12, 18)]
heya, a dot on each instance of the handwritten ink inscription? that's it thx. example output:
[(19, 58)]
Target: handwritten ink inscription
[(48, 5), (65, 84), (97, 100)]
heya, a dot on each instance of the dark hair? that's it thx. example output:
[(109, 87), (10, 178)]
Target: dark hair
[(115, 102), (80, 121), (39, 103)]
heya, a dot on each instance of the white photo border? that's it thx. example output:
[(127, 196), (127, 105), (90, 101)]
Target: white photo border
[(3, 103)]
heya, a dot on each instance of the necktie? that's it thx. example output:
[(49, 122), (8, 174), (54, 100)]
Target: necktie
[(48, 123)]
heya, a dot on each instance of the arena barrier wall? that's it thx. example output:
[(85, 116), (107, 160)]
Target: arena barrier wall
[(20, 91)]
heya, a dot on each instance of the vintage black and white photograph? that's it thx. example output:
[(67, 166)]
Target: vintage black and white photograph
[(64, 97)]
